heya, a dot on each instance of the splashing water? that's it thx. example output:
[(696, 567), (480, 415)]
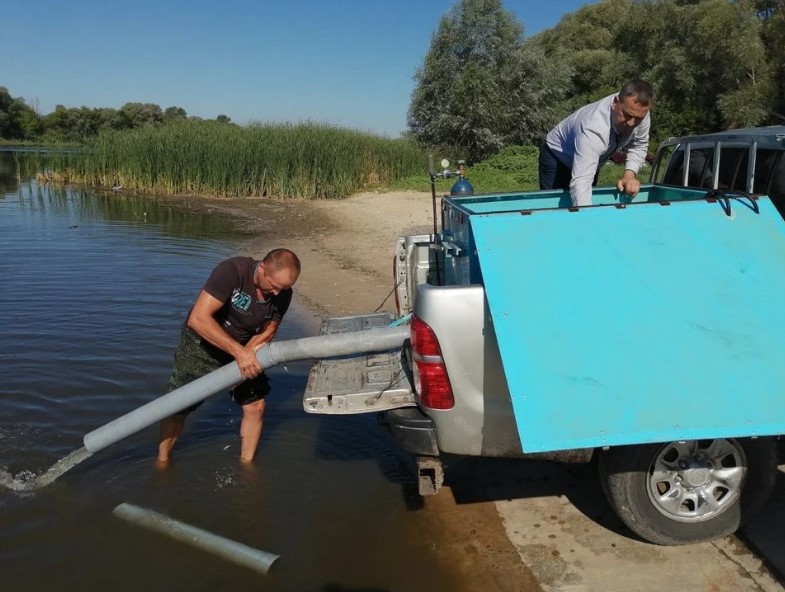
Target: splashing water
[(224, 478), (19, 482), (27, 480)]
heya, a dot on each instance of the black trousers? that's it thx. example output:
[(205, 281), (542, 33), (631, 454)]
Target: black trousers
[(554, 174)]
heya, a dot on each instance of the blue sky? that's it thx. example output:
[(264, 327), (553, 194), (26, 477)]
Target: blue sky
[(346, 62)]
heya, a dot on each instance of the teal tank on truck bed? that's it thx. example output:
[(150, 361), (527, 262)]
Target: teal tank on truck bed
[(623, 323)]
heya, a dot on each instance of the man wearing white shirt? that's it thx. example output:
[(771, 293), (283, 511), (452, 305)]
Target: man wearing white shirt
[(575, 150)]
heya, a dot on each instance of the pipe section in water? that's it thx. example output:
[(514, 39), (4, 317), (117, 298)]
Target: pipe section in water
[(185, 533)]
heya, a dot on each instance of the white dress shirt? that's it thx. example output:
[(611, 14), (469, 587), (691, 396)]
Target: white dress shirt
[(582, 139)]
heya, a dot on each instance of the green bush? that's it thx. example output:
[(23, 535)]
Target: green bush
[(515, 168)]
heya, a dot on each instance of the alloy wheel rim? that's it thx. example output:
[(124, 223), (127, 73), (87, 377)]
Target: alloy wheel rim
[(696, 480)]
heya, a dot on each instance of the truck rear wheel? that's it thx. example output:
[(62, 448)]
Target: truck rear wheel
[(689, 491)]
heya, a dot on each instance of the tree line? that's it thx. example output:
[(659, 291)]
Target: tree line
[(483, 86), (714, 64), (20, 121)]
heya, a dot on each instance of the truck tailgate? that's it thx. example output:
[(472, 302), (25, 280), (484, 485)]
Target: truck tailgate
[(645, 323), (361, 383)]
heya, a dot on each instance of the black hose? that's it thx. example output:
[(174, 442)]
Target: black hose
[(723, 196)]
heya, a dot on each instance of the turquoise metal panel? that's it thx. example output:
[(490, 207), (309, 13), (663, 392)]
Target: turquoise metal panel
[(646, 323)]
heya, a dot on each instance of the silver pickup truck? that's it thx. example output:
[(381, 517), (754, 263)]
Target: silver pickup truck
[(640, 332)]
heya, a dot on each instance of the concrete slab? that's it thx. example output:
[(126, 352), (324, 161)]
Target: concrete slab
[(567, 551), (565, 532)]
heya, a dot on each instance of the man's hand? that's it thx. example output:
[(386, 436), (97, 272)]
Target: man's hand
[(629, 183), (248, 364)]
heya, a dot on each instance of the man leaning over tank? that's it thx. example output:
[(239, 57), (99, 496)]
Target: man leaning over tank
[(576, 149)]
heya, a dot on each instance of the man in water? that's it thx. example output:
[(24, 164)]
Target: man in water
[(238, 311)]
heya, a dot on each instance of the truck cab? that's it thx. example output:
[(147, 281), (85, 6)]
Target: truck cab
[(749, 160)]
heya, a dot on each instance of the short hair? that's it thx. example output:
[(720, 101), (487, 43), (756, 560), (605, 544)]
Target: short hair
[(640, 90), (279, 259)]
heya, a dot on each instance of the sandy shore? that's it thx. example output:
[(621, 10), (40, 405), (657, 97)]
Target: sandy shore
[(346, 248)]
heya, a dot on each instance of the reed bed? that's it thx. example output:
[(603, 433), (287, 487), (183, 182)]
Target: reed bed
[(308, 160)]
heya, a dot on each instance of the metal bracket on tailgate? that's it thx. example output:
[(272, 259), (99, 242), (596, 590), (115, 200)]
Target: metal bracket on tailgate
[(360, 383)]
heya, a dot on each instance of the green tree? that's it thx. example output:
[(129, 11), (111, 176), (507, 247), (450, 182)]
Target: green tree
[(31, 124), (771, 14), (110, 119), (223, 119), (139, 114), (706, 60), (76, 124), (479, 88), (18, 121), (584, 44), (174, 114)]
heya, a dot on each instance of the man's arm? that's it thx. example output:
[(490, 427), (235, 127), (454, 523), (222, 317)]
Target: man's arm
[(203, 322), (266, 336), (636, 156), (589, 146)]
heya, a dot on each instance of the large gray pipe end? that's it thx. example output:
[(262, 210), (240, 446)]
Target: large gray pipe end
[(239, 553)]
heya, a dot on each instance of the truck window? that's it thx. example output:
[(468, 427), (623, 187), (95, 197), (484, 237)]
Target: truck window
[(733, 168), (700, 172), (665, 162), (674, 172), (770, 176)]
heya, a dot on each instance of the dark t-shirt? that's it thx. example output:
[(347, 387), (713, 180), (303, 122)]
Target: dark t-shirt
[(242, 315)]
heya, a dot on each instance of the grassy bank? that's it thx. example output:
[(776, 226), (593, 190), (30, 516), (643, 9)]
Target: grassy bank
[(208, 158), (513, 169)]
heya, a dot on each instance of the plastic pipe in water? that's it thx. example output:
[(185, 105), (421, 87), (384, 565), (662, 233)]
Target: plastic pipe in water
[(272, 354), (185, 533)]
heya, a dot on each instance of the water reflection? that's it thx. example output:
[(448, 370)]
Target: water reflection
[(75, 207), (20, 165)]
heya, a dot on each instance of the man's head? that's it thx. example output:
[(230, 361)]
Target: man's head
[(278, 271), (631, 105)]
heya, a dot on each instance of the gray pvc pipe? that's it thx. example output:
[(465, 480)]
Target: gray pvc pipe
[(326, 346), (272, 354), (202, 539)]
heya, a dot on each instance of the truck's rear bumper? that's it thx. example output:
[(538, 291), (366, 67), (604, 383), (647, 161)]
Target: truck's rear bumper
[(412, 430)]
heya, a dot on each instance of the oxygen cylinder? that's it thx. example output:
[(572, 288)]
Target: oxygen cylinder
[(462, 187)]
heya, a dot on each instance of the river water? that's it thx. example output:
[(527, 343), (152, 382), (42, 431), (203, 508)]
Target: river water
[(93, 289)]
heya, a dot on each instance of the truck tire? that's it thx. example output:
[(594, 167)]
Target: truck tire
[(689, 491)]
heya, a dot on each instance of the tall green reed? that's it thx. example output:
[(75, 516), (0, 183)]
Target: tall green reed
[(208, 158)]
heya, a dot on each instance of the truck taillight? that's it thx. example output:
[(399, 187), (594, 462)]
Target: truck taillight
[(430, 374)]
